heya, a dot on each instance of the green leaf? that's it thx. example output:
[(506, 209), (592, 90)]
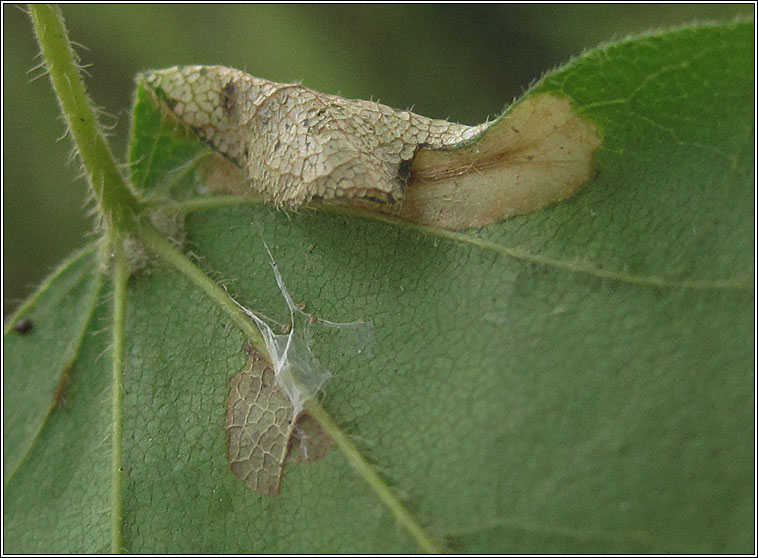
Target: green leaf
[(56, 415), (577, 380), (58, 315)]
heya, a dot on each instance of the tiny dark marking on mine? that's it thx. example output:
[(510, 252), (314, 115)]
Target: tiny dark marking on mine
[(404, 169), (227, 98)]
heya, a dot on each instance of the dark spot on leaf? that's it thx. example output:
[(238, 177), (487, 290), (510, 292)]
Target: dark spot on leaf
[(23, 327)]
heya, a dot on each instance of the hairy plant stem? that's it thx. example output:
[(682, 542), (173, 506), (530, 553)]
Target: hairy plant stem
[(116, 201)]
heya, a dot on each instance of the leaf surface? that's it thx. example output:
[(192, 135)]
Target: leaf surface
[(577, 380)]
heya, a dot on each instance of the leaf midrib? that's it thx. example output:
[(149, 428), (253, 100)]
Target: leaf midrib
[(739, 283)]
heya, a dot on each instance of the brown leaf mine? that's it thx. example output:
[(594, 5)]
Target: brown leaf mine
[(258, 418), (294, 144), (262, 431), (290, 145)]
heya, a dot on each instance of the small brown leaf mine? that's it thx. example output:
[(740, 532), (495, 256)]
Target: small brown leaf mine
[(262, 431), (309, 442), (258, 426)]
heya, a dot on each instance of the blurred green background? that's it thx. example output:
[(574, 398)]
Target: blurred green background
[(462, 62)]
